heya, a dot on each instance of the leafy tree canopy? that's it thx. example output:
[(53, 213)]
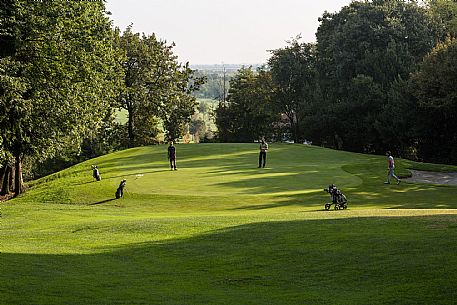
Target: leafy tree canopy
[(58, 75), (362, 51), (293, 73), (248, 113), (156, 87)]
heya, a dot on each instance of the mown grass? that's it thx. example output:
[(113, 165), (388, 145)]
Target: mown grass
[(221, 231)]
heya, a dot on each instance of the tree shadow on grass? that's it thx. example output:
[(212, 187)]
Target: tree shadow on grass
[(300, 179), (405, 196), (310, 199), (294, 262)]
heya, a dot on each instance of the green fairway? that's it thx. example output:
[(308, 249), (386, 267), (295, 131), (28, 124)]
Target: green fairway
[(219, 230)]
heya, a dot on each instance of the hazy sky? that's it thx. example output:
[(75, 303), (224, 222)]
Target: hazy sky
[(223, 31)]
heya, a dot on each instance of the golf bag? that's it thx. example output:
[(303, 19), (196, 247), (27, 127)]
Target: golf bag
[(120, 189), (338, 198), (96, 173)]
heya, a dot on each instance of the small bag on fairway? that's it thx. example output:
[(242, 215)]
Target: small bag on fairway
[(120, 189), (96, 173)]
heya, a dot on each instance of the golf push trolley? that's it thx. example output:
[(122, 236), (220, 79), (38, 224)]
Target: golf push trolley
[(338, 199)]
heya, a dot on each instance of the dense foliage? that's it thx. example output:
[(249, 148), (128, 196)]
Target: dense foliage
[(380, 77), (434, 89), (293, 73), (65, 72), (363, 50), (156, 87), (246, 115), (58, 76)]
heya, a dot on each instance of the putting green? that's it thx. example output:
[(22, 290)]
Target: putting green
[(206, 170)]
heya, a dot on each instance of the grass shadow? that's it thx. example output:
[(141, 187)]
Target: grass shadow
[(103, 201), (380, 259)]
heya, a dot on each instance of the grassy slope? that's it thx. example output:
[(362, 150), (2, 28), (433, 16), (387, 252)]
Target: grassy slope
[(221, 231)]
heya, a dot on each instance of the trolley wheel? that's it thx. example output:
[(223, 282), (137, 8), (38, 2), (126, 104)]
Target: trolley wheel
[(337, 207), (345, 207), (327, 206)]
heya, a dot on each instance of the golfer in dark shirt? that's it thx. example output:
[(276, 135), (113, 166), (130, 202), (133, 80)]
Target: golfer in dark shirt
[(263, 153), (172, 156)]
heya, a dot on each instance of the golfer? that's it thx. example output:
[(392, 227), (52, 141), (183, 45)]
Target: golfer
[(263, 152), (172, 156), (390, 168)]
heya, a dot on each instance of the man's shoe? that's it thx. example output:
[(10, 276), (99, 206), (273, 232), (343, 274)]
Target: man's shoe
[(398, 182), (386, 182)]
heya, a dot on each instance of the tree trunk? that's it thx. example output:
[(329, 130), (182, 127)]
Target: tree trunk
[(18, 181), (6, 181), (296, 140), (2, 173), (130, 127), (293, 125), (11, 182), (294, 131)]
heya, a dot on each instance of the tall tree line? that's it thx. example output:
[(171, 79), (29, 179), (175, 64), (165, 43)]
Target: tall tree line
[(64, 70), (380, 77)]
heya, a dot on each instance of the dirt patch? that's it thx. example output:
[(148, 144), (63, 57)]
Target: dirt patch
[(433, 177)]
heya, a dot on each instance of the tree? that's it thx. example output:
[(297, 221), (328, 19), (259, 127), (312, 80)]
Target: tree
[(202, 107), (399, 121), (197, 128), (248, 113), (156, 87), (433, 85), (216, 85), (176, 111), (362, 51), (446, 13), (58, 75), (293, 73), (142, 69)]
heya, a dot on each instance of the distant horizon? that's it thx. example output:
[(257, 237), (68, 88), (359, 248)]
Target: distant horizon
[(213, 32), (229, 64)]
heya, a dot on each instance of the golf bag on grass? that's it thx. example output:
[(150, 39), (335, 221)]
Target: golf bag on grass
[(120, 189), (96, 173)]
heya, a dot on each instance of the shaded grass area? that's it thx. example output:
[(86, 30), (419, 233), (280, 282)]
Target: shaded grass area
[(380, 260)]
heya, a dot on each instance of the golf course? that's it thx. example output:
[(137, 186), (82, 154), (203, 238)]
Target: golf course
[(219, 230)]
